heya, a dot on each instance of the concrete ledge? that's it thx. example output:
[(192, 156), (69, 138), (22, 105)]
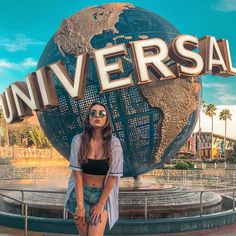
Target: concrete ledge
[(124, 227)]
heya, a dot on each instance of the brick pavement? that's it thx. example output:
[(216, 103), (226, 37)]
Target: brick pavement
[(228, 230)]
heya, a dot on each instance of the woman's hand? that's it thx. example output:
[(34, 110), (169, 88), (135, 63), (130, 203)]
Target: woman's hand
[(96, 212), (80, 213)]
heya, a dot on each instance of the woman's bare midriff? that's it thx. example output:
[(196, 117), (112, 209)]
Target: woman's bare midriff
[(93, 180)]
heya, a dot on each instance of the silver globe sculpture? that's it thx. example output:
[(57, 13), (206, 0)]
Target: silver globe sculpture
[(152, 121)]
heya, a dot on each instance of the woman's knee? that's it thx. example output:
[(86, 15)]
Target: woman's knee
[(82, 228), (99, 228)]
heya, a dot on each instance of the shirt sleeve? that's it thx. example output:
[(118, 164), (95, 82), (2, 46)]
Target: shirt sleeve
[(116, 160), (74, 152)]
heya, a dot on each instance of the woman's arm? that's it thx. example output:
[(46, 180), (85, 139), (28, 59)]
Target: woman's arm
[(98, 208), (78, 177), (115, 172), (79, 193), (106, 190), (77, 170)]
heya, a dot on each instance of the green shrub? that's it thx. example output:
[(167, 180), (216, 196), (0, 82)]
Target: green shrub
[(232, 156), (190, 164), (231, 159), (168, 167), (182, 166)]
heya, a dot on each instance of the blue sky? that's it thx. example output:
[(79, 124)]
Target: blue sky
[(26, 26)]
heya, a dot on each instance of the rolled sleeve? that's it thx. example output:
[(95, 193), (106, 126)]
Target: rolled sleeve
[(74, 159), (116, 168)]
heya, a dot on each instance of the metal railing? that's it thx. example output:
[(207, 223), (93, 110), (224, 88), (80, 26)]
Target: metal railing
[(13, 152), (216, 190), (11, 174), (14, 175), (24, 205), (195, 191), (24, 211)]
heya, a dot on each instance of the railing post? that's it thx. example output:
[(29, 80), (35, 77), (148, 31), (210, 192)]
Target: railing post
[(234, 199), (225, 184), (31, 174), (14, 173), (168, 176), (234, 179), (22, 199), (26, 219), (201, 177), (145, 206), (201, 203)]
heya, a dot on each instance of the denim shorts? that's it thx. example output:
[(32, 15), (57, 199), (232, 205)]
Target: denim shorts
[(91, 197)]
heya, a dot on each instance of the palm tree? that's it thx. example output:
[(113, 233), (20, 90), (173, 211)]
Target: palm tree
[(1, 119), (38, 137), (211, 112), (203, 108), (5, 124), (225, 115)]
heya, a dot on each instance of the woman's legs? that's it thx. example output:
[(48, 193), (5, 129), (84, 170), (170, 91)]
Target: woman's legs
[(82, 228), (99, 228), (71, 205), (91, 197)]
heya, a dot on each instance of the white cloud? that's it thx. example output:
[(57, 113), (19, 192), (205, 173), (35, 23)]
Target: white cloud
[(5, 64), (219, 124), (29, 62), (26, 63), (225, 5), (18, 43), (15, 71), (222, 92), (215, 85), (226, 98)]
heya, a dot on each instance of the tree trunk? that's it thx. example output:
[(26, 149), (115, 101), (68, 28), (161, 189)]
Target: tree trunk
[(1, 133), (225, 139), (7, 135), (199, 136), (211, 137)]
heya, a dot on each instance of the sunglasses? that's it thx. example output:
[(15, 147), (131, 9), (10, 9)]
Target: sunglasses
[(101, 114)]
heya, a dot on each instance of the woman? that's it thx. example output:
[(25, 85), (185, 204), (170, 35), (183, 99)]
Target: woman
[(96, 161)]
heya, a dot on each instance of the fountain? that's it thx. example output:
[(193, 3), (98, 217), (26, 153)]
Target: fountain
[(146, 203)]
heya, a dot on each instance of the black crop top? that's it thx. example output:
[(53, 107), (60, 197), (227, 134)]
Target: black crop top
[(95, 167)]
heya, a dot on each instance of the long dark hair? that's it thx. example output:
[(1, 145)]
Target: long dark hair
[(88, 132)]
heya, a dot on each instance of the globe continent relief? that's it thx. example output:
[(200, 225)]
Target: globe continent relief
[(152, 121)]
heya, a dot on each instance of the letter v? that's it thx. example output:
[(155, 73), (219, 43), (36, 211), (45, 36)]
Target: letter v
[(74, 88)]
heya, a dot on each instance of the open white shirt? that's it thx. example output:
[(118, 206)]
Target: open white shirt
[(115, 169)]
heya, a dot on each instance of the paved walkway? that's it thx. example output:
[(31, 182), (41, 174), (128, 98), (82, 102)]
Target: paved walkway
[(5, 231), (228, 230)]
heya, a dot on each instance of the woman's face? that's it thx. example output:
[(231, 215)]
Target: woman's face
[(97, 116)]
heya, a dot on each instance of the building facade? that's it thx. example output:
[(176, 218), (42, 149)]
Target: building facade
[(199, 145)]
